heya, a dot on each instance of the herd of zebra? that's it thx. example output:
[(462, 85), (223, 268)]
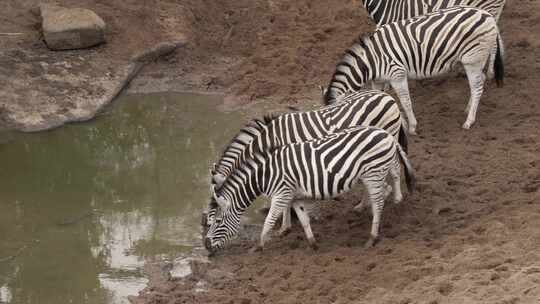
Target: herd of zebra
[(360, 134)]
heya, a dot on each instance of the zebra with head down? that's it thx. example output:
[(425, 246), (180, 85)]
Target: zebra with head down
[(317, 169), (364, 108)]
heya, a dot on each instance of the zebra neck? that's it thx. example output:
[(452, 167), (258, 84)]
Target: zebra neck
[(382, 11), (245, 184)]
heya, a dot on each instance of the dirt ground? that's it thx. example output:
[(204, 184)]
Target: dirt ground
[(471, 232)]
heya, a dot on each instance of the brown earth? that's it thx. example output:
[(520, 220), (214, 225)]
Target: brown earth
[(470, 234)]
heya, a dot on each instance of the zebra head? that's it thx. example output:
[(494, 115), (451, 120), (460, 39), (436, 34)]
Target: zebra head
[(222, 225)]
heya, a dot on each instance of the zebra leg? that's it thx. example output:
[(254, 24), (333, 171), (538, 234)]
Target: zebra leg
[(359, 208), (375, 189), (476, 83), (402, 90), (277, 208), (286, 222), (395, 173), (303, 217)]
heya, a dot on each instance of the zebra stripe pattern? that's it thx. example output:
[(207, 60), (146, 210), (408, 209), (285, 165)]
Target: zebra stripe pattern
[(317, 169), (365, 108), (387, 11), (422, 47)]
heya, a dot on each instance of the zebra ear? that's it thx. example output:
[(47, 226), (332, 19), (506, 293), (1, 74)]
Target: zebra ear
[(221, 201), (218, 179), (204, 217), (322, 89), (212, 175)]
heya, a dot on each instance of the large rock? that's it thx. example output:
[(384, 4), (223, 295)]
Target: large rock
[(75, 28)]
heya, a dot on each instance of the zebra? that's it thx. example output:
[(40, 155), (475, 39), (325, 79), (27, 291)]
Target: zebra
[(368, 108), (422, 47), (317, 169), (387, 11)]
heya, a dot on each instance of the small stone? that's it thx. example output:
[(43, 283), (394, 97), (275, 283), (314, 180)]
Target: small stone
[(66, 29), (531, 269)]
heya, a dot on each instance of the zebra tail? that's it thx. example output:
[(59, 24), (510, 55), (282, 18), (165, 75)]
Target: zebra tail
[(410, 179), (402, 138), (499, 65)]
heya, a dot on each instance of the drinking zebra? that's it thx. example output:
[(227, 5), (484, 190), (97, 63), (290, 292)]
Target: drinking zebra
[(317, 169), (387, 11), (422, 47), (367, 108)]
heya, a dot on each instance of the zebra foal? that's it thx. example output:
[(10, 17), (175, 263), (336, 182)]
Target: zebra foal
[(422, 47), (365, 108), (317, 169)]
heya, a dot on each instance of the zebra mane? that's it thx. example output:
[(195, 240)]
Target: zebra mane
[(252, 161), (364, 41), (251, 130), (268, 118)]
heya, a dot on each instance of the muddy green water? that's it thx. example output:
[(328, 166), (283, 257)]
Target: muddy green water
[(84, 206)]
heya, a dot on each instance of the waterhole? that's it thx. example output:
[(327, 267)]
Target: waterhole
[(84, 206)]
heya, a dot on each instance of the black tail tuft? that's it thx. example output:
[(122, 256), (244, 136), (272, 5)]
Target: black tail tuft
[(499, 65), (410, 179), (402, 139)]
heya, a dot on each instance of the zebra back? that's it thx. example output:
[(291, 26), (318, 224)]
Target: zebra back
[(387, 11)]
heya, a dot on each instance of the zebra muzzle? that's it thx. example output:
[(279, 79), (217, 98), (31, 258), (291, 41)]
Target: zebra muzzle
[(208, 245)]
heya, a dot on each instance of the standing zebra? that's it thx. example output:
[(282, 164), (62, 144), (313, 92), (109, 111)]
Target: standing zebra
[(365, 108), (422, 47), (317, 169), (387, 11)]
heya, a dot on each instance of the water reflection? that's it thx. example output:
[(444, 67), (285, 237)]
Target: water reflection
[(85, 205)]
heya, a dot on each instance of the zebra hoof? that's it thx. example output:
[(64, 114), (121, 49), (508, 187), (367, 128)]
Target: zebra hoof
[(412, 131), (313, 244), (371, 242), (284, 232), (466, 126), (359, 209), (256, 248)]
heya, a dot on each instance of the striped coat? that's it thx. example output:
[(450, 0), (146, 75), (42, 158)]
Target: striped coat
[(365, 108), (422, 47), (316, 169), (387, 11)]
